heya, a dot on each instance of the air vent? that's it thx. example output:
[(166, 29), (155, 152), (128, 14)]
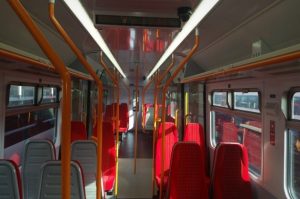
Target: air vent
[(137, 21)]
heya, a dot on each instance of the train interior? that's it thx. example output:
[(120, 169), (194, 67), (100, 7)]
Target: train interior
[(218, 117)]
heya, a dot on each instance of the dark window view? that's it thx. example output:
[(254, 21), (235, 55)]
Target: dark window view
[(296, 106), (22, 126), (294, 163), (220, 99), (49, 95), (21, 95), (246, 101), (229, 128)]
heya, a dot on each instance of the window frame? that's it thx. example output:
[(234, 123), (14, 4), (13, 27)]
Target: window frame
[(291, 124), (227, 98), (247, 90)]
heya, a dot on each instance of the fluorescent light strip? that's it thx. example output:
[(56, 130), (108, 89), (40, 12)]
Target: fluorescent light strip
[(78, 10), (200, 12)]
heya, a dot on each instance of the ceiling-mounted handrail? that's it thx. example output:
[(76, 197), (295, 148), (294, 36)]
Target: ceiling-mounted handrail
[(114, 77), (66, 82), (48, 67), (91, 71), (164, 91), (244, 67), (106, 68), (158, 78)]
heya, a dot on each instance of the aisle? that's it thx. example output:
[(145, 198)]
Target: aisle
[(137, 185)]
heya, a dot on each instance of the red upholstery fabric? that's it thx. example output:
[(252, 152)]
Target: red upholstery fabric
[(194, 132), (108, 156), (230, 132), (252, 140), (171, 136), (230, 177), (123, 117), (78, 131), (187, 173)]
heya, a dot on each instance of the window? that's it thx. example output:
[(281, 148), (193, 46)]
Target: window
[(293, 163), (232, 128), (295, 109), (220, 99), (49, 95), (246, 101), (21, 95)]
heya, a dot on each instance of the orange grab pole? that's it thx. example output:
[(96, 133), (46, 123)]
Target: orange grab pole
[(49, 67), (158, 80), (87, 66), (244, 67), (66, 83), (115, 113), (136, 116), (164, 91)]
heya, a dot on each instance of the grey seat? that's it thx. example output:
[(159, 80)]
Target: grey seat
[(36, 153), (50, 181), (85, 152), (10, 182)]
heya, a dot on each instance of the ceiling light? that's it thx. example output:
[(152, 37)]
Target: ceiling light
[(200, 12), (78, 10)]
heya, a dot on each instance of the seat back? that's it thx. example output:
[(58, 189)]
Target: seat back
[(230, 177), (50, 181), (36, 153), (78, 131), (123, 117), (230, 132), (108, 156), (171, 135), (85, 152), (10, 180), (194, 132), (187, 173)]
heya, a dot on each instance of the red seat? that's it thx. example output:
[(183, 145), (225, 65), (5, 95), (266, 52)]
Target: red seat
[(78, 131), (194, 132), (171, 135), (187, 174), (108, 156), (123, 117), (230, 177), (230, 132)]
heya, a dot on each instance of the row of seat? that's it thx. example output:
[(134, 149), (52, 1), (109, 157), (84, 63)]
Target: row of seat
[(40, 168), (110, 115), (185, 167)]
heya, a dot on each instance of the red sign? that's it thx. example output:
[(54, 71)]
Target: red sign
[(272, 132)]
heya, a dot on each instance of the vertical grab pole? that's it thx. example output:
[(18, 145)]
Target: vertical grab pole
[(91, 71), (66, 83), (116, 84), (158, 80), (136, 116), (164, 91)]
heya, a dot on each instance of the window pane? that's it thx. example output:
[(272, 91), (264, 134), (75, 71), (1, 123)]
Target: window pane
[(228, 128), (20, 127), (296, 106), (220, 99), (21, 95), (248, 101), (49, 95), (294, 163)]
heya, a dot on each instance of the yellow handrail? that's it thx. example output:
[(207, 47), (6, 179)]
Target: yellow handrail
[(90, 70), (164, 91), (66, 84)]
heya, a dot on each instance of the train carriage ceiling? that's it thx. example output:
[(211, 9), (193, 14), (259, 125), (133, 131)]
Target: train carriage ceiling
[(226, 34)]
